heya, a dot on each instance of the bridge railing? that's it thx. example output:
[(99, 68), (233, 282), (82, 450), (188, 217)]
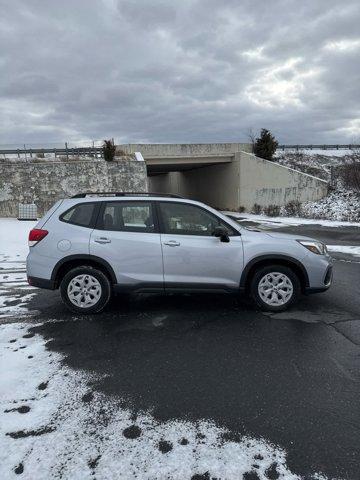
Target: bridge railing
[(66, 151), (320, 147)]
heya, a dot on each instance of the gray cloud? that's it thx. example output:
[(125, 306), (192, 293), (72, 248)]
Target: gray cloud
[(195, 70)]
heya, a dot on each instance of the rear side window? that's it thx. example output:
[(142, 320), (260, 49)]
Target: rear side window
[(127, 217), (81, 214)]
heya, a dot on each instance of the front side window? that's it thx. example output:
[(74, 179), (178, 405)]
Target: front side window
[(127, 217), (81, 214), (185, 219)]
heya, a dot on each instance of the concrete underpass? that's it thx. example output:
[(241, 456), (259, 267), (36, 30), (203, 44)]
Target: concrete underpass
[(226, 176)]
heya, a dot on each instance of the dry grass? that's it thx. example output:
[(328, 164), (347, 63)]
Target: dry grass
[(350, 175)]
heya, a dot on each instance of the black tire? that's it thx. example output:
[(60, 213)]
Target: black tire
[(258, 276), (105, 291)]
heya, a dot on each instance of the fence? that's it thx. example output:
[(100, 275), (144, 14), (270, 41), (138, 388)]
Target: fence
[(319, 147), (66, 151)]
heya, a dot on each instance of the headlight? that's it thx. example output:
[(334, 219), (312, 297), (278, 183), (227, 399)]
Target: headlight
[(315, 247)]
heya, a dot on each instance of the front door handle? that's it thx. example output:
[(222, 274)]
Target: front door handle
[(172, 243), (102, 240)]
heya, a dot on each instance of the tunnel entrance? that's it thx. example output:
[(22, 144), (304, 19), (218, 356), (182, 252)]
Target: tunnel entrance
[(189, 176)]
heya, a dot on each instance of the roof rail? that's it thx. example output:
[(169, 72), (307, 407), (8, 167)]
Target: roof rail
[(125, 194)]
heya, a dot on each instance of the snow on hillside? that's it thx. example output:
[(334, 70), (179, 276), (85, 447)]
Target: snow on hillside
[(342, 203), (315, 163)]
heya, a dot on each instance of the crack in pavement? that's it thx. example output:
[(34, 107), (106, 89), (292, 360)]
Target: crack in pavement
[(342, 333), (344, 321), (284, 316)]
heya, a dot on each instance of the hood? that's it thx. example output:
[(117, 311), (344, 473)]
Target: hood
[(288, 236)]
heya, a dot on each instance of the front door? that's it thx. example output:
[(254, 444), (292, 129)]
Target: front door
[(127, 238), (192, 256)]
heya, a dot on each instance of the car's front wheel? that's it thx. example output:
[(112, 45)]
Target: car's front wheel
[(274, 288), (85, 290)]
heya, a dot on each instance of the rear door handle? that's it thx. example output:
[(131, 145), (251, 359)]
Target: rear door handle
[(172, 243), (102, 240)]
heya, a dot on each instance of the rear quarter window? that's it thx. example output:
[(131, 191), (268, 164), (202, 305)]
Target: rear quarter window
[(82, 214)]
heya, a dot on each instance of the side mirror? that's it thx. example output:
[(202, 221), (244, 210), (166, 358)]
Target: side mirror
[(221, 233)]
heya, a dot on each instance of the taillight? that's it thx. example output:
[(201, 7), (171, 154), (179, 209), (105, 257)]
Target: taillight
[(35, 235)]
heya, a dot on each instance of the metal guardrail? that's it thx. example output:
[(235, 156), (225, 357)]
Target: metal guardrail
[(56, 151), (319, 147)]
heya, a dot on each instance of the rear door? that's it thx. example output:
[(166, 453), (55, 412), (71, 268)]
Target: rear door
[(192, 256), (127, 237)]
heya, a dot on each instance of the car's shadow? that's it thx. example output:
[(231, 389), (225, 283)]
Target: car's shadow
[(216, 357)]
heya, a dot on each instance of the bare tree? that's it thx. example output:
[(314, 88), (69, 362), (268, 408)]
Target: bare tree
[(350, 174), (251, 135), (355, 151)]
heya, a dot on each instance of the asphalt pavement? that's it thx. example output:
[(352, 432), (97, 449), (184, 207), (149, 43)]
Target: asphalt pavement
[(292, 378)]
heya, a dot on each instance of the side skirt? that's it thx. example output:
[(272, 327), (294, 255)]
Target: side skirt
[(175, 288)]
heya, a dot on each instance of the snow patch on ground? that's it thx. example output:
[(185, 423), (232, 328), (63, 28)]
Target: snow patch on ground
[(11, 277), (14, 240), (284, 221), (14, 304), (348, 249), (13, 251), (53, 426)]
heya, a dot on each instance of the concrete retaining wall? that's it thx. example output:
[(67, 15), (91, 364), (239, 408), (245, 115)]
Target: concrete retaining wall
[(268, 183), (242, 183), (184, 149), (46, 182)]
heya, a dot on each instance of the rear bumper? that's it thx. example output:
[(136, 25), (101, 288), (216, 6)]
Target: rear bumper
[(41, 283)]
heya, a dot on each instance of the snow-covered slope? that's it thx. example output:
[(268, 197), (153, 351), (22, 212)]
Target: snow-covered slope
[(342, 203)]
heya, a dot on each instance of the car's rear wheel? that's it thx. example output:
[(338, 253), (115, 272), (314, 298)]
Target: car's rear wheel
[(275, 287), (85, 290)]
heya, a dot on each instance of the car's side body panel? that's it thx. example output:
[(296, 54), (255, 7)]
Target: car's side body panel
[(201, 260), (59, 243), (273, 258), (261, 245), (135, 257)]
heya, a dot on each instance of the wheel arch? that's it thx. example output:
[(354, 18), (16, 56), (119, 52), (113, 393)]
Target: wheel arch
[(265, 260), (67, 263)]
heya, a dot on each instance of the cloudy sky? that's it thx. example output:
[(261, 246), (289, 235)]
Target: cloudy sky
[(179, 70)]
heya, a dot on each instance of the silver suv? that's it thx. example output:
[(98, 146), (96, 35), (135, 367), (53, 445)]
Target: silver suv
[(92, 245)]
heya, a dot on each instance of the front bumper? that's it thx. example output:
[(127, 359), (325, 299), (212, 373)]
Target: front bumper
[(326, 282)]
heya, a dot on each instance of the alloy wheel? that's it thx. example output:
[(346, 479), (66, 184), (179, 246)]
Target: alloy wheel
[(84, 291), (275, 289)]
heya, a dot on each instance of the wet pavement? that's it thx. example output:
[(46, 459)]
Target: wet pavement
[(292, 377)]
